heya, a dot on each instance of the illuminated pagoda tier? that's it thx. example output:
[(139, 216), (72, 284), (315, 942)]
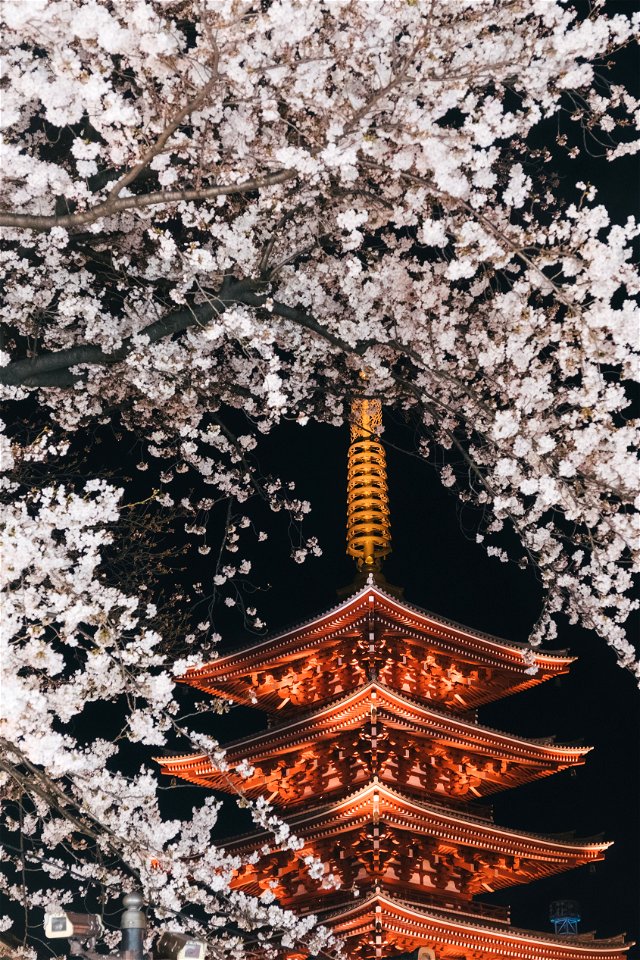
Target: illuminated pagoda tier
[(375, 758)]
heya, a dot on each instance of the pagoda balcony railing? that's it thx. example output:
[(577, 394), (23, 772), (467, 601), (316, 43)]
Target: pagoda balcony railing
[(490, 911)]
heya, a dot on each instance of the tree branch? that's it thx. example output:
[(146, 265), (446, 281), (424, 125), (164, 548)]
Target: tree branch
[(26, 221), (53, 369), (168, 131), (115, 204)]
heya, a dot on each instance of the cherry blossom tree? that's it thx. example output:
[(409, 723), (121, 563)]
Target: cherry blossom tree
[(223, 206), (73, 813)]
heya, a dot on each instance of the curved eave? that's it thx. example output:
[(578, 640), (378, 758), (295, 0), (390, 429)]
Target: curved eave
[(462, 828), (415, 921), (508, 654), (331, 719)]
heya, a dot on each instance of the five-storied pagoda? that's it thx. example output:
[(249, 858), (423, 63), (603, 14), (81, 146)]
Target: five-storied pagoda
[(375, 758)]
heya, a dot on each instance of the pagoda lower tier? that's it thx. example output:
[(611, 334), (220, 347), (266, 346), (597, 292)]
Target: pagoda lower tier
[(375, 760), (374, 635), (379, 836), (375, 731), (383, 924)]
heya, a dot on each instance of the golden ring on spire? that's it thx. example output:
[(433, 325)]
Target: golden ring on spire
[(368, 517)]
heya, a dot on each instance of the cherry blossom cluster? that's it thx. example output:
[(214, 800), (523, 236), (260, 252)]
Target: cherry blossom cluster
[(229, 207), (71, 807)]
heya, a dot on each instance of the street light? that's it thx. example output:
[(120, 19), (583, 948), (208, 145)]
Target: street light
[(83, 929), (75, 926), (179, 946), (86, 927)]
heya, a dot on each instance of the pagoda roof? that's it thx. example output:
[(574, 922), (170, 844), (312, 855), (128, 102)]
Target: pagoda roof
[(227, 675), (524, 759), (413, 850), (404, 924), (379, 802)]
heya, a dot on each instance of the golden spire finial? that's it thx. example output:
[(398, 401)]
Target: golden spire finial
[(368, 519)]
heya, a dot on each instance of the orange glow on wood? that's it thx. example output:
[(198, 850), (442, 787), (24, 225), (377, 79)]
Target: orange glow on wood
[(375, 760)]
